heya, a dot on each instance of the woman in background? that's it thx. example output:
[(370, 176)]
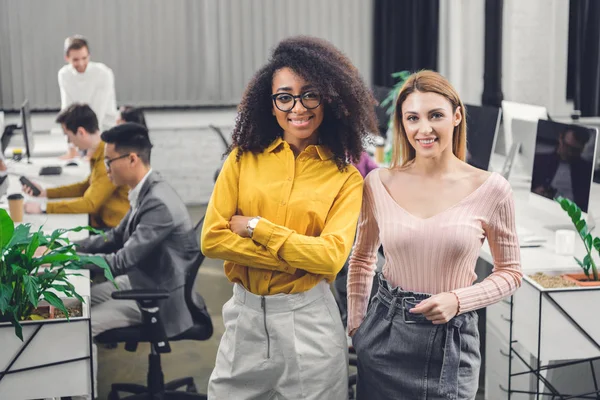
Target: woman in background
[(131, 114)]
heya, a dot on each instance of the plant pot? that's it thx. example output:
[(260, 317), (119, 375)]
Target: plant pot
[(46, 311), (580, 280)]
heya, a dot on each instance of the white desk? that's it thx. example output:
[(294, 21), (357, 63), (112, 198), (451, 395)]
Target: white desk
[(55, 342), (52, 144), (49, 221), (56, 357), (555, 343)]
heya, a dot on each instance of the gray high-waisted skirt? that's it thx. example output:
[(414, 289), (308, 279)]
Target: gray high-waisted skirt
[(404, 356)]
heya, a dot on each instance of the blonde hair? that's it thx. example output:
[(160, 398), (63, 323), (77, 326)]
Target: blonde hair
[(426, 81)]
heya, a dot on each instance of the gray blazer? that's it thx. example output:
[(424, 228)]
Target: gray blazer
[(155, 245)]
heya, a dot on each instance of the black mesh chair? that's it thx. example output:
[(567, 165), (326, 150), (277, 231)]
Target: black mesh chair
[(152, 331)]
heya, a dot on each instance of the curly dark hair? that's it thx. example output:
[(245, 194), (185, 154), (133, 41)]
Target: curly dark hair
[(349, 113)]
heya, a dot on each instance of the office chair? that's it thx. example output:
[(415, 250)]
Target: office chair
[(152, 331)]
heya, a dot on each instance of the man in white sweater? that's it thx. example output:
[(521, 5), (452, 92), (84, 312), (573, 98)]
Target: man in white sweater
[(84, 81)]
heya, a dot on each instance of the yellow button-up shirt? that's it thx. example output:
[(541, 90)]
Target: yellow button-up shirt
[(308, 209)]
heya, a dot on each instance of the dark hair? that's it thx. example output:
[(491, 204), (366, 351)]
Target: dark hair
[(78, 115), (75, 42), (348, 104), (133, 114), (582, 136), (130, 138)]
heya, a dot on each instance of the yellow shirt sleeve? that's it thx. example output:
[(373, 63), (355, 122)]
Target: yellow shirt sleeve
[(99, 190), (74, 190), (327, 253), (218, 241)]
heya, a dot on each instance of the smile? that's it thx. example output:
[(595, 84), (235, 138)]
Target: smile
[(427, 141), (300, 121)]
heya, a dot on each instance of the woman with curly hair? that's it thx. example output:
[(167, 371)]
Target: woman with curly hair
[(283, 217), (418, 339)]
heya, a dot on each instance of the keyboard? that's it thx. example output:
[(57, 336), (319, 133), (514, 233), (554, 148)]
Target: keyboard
[(51, 170), (528, 238)]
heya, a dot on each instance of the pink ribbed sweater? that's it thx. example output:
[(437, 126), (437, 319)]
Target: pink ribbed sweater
[(437, 254)]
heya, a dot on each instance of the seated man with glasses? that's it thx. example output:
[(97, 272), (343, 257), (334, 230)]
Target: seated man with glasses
[(154, 245), (105, 202)]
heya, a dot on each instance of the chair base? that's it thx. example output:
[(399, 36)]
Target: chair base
[(171, 392)]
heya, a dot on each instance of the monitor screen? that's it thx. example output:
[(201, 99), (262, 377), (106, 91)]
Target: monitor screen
[(482, 127), (559, 165), (27, 128)]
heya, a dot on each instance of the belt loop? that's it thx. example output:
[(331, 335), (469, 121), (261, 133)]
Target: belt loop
[(448, 384), (392, 309)]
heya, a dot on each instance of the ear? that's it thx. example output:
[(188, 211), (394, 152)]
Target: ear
[(457, 116), (66, 58), (80, 131)]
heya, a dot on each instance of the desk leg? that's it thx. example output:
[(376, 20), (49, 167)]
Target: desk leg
[(91, 357)]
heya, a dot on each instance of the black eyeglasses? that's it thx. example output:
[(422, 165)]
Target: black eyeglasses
[(108, 161), (286, 101)]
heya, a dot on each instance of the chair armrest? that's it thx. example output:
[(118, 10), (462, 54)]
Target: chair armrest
[(141, 294)]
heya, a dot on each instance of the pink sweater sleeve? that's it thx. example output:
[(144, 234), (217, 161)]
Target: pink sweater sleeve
[(506, 276), (363, 260)]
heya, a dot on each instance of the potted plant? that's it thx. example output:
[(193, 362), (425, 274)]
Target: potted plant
[(589, 277), (389, 104), (29, 275)]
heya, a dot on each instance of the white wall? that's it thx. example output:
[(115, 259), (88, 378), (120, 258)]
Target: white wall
[(168, 53), (461, 47), (534, 50)]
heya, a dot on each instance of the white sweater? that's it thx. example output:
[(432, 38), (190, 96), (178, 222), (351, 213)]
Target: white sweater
[(95, 87)]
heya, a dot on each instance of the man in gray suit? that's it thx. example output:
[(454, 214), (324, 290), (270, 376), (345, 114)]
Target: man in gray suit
[(154, 245)]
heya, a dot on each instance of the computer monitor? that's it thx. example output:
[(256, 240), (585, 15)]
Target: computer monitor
[(482, 129), (511, 110), (27, 128), (525, 133), (559, 168), (588, 152)]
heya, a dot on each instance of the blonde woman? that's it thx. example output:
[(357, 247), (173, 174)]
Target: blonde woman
[(432, 212)]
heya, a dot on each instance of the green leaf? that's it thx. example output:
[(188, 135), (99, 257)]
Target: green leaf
[(55, 301), (7, 227), (576, 216), (56, 257), (18, 329), (100, 262), (6, 292), (588, 241), (587, 261), (20, 235), (18, 271), (581, 227), (33, 245), (31, 286), (572, 209), (597, 244)]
